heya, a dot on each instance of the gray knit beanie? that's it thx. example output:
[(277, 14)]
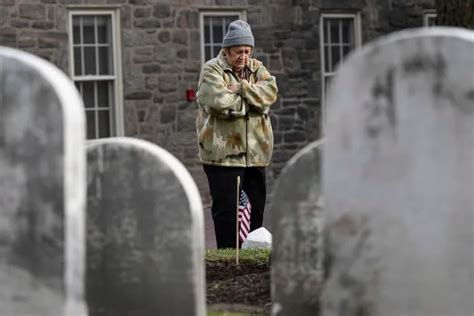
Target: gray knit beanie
[(239, 33)]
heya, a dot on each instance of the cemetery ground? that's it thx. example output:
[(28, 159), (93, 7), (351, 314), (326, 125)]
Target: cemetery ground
[(397, 213), (236, 290), (242, 288)]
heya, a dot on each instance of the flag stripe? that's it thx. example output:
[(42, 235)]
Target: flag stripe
[(245, 209)]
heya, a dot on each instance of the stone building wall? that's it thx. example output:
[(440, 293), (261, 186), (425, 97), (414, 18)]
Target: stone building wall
[(161, 59)]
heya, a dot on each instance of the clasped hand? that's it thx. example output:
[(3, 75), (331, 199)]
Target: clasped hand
[(235, 88)]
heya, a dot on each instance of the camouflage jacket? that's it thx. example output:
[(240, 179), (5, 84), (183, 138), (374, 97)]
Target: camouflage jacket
[(235, 129)]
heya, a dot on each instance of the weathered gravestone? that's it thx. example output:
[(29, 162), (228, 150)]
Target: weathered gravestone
[(296, 268), (145, 235), (398, 178), (42, 189)]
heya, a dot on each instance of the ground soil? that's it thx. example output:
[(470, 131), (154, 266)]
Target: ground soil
[(238, 288)]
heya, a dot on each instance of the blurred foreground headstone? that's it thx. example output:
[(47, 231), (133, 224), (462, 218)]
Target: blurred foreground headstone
[(398, 177), (42, 189)]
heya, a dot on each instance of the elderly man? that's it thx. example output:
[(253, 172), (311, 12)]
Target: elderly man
[(234, 131)]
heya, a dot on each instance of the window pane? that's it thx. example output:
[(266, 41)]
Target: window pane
[(76, 31), (89, 61), (103, 94), (93, 55), (207, 29), (90, 118), (104, 123), (103, 29), (327, 59), (334, 29), (348, 32), (88, 29), (88, 94), (335, 57), (432, 21), (217, 49), (346, 50), (77, 61), (208, 54), (105, 61), (217, 31), (338, 40), (326, 24)]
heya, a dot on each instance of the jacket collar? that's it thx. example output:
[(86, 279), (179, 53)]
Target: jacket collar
[(252, 65)]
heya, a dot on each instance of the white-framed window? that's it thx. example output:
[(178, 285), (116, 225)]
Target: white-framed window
[(213, 26), (429, 18), (339, 35), (95, 68)]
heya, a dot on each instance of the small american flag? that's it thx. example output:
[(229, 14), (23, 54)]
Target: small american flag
[(244, 215)]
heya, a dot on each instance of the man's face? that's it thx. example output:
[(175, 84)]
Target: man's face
[(238, 56)]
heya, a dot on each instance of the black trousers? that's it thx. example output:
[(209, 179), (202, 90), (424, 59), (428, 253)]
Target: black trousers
[(223, 187)]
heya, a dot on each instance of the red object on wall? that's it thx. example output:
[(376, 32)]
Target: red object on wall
[(190, 95)]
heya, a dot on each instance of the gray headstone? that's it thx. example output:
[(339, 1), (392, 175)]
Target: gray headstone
[(42, 189), (296, 208), (398, 177), (145, 233)]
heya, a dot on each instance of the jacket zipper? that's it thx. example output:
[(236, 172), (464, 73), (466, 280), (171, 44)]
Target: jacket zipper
[(246, 141), (246, 117)]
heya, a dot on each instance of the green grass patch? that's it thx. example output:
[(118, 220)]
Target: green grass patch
[(252, 256)]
